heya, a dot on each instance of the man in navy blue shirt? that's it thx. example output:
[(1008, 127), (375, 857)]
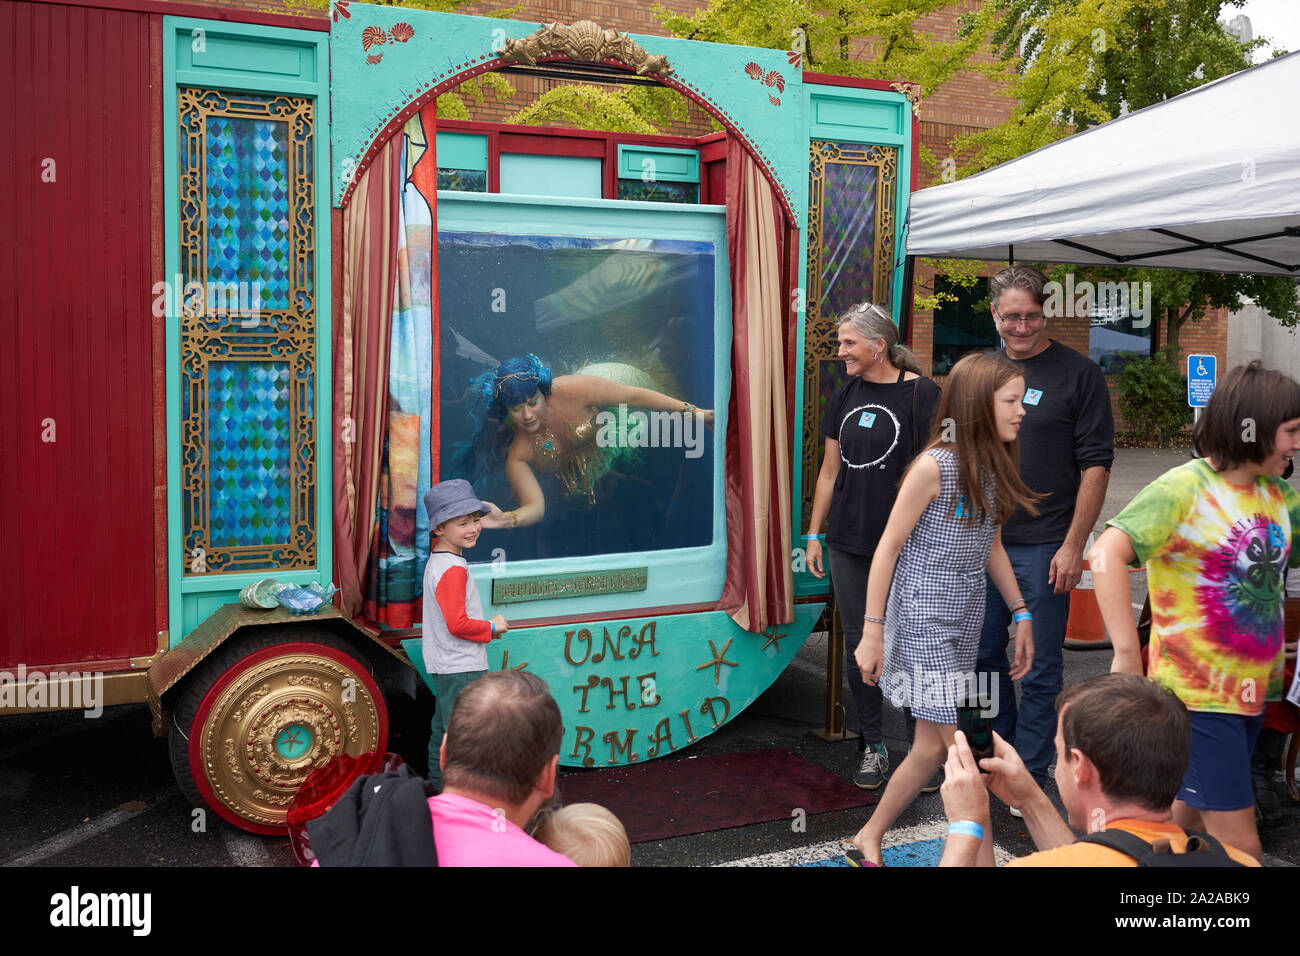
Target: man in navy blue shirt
[(1067, 445)]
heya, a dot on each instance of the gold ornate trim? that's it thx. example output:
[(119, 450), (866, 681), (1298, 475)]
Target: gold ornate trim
[(585, 42), (238, 334), (913, 93), (819, 328)]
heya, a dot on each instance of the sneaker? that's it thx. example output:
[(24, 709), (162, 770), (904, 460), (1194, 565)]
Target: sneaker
[(934, 783), (1268, 808), (875, 764)]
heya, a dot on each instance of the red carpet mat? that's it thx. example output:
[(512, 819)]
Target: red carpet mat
[(666, 799)]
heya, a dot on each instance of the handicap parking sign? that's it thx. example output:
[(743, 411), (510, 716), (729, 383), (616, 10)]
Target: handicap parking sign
[(1200, 379)]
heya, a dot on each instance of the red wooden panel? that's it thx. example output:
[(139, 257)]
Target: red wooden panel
[(76, 512), (204, 12), (553, 144)]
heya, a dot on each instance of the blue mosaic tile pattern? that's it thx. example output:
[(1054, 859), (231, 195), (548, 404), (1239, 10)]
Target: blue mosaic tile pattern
[(250, 441), (248, 226)]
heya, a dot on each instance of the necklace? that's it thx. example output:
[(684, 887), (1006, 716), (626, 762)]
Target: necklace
[(545, 446)]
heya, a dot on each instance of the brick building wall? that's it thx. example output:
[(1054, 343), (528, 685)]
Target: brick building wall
[(966, 103)]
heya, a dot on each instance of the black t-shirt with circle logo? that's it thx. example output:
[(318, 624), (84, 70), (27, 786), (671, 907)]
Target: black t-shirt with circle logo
[(880, 427)]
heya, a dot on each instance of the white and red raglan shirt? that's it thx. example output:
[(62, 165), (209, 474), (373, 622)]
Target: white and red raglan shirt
[(455, 635)]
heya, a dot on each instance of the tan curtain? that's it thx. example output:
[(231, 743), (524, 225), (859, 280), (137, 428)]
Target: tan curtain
[(759, 590), (363, 317)]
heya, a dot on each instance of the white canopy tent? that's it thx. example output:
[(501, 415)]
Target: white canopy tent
[(1206, 181)]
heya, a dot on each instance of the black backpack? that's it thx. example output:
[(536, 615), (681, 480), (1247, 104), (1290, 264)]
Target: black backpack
[(1201, 850)]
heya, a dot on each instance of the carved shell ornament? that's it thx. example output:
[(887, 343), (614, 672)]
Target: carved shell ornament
[(584, 42)]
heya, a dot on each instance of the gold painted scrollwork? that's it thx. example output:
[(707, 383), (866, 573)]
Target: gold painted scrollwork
[(819, 327), (282, 335)]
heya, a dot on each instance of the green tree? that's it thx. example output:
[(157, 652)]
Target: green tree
[(1069, 64), (871, 39), (628, 109)]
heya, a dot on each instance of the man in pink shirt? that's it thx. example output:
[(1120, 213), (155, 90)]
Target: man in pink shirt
[(499, 759)]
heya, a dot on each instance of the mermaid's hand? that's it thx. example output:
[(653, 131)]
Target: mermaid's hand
[(495, 518)]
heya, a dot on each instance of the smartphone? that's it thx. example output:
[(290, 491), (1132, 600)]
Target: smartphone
[(978, 731)]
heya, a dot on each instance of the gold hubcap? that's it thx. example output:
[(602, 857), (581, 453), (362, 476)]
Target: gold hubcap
[(278, 721)]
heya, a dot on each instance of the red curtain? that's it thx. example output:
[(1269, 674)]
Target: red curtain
[(362, 332), (759, 589)]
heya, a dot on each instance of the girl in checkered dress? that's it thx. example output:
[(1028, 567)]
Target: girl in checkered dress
[(925, 595)]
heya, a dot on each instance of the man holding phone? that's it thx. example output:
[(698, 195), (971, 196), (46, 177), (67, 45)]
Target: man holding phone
[(1122, 744)]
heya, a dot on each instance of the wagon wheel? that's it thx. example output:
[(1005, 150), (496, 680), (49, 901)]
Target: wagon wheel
[(260, 715)]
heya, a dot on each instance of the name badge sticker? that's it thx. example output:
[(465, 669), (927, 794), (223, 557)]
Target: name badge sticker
[(867, 420), (1275, 536), (961, 511), (1033, 395)]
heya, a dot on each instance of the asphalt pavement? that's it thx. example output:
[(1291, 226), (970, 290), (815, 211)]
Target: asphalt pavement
[(78, 792)]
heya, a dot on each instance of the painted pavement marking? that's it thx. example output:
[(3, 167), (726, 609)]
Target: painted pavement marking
[(920, 845), (85, 831)]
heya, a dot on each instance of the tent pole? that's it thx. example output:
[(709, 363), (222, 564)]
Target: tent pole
[(905, 306)]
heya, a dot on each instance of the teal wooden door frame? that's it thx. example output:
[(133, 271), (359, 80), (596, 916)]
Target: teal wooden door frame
[(235, 58)]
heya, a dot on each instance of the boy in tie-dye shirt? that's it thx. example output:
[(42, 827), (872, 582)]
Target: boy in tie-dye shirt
[(1216, 536)]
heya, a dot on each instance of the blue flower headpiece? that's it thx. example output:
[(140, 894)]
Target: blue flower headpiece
[(514, 381)]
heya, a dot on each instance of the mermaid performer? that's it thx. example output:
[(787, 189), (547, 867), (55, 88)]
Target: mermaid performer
[(534, 422)]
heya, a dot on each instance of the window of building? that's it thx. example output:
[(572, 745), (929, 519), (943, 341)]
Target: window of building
[(463, 162), (658, 174), (963, 326), (1116, 335)]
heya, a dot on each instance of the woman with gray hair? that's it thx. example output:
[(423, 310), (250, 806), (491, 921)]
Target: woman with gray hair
[(874, 425)]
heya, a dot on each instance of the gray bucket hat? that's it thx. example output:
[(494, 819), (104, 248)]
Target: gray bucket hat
[(451, 499)]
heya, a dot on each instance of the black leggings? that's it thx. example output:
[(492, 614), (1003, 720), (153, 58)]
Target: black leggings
[(849, 576)]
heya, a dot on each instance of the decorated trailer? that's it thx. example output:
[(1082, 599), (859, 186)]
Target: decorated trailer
[(263, 298)]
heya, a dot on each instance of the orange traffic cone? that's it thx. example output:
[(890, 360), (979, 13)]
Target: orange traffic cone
[(1084, 629)]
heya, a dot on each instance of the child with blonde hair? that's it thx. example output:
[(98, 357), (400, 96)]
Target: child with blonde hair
[(587, 834)]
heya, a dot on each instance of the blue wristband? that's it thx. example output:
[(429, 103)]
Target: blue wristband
[(812, 537), (1022, 616), (494, 628), (968, 827)]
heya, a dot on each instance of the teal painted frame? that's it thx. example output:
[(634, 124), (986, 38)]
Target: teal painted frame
[(693, 575), (255, 59), (377, 83), (630, 157), (560, 176), (883, 119), (462, 150)]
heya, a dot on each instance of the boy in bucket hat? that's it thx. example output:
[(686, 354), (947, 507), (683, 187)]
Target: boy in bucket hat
[(455, 634)]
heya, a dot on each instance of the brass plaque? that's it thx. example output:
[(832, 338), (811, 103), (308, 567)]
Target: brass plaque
[(546, 587)]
